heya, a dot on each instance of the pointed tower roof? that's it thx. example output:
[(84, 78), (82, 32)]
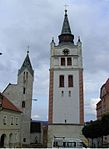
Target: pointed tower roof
[(66, 27), (66, 35), (26, 64)]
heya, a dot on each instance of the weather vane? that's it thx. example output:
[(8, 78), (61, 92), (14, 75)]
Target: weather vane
[(65, 6)]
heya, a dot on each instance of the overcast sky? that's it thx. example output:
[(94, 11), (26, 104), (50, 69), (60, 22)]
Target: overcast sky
[(34, 23)]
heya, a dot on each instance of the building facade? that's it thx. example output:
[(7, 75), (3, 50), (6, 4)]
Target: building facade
[(20, 95), (102, 106), (10, 124), (66, 103)]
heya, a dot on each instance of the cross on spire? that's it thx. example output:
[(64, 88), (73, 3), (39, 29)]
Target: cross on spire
[(28, 48), (65, 6)]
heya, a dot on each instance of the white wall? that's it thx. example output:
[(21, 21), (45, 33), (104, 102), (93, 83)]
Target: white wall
[(65, 107), (67, 131)]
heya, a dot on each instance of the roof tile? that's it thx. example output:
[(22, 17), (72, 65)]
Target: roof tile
[(6, 104)]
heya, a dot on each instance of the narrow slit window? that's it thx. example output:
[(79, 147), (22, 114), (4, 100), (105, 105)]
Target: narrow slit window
[(70, 81), (26, 75), (24, 90), (23, 104), (61, 81), (62, 93), (69, 93)]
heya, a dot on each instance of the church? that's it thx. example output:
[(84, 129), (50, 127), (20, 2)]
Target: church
[(20, 95), (66, 103), (66, 99)]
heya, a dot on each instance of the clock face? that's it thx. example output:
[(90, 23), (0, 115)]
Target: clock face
[(66, 51)]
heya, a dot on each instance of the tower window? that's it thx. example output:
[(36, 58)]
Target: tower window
[(62, 93), (69, 61), (62, 61), (70, 81), (61, 81), (23, 104), (24, 90), (69, 93), (26, 75)]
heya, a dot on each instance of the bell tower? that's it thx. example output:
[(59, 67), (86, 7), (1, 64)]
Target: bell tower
[(20, 95), (66, 103), (25, 89)]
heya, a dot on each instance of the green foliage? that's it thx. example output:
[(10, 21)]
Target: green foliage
[(93, 129), (98, 128)]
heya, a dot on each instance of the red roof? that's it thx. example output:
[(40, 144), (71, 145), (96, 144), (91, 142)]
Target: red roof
[(6, 104)]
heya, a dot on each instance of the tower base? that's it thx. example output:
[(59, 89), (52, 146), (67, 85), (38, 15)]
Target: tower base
[(64, 130)]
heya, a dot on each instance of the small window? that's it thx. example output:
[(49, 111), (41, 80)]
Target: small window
[(69, 93), (70, 81), (62, 61), (12, 120), (61, 81), (24, 139), (65, 121), (17, 120), (26, 75), (4, 120), (24, 90), (62, 93), (23, 104), (69, 61)]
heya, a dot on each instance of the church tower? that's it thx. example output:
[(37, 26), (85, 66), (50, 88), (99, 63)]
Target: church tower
[(25, 87), (66, 103), (20, 95), (66, 79)]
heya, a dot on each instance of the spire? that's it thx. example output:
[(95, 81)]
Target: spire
[(66, 27), (26, 64), (66, 35)]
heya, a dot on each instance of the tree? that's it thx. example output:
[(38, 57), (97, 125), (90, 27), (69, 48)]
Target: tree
[(105, 124), (93, 130)]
